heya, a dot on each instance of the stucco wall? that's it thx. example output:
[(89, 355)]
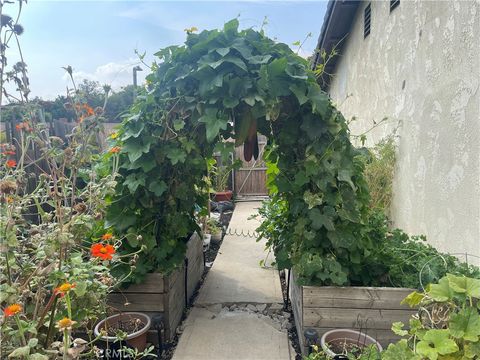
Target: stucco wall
[(420, 67)]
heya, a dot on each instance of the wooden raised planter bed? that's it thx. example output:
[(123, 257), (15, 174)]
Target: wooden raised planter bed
[(371, 310), (164, 294)]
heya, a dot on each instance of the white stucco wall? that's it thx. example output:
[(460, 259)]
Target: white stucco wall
[(420, 67)]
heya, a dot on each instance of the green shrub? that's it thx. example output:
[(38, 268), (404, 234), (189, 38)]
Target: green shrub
[(379, 172), (396, 260)]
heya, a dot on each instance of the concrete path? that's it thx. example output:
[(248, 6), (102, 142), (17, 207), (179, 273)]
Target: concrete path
[(238, 313)]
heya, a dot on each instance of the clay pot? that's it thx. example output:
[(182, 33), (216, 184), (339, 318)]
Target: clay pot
[(137, 340), (224, 195), (347, 337)]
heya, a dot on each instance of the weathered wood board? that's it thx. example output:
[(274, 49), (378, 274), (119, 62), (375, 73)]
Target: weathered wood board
[(370, 310), (164, 294)]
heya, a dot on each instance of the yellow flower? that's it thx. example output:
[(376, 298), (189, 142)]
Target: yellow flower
[(191, 30), (64, 288), (114, 135), (65, 324)]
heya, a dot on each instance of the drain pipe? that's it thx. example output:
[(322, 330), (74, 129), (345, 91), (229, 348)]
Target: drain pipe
[(311, 338), (158, 322), (186, 282), (287, 302)]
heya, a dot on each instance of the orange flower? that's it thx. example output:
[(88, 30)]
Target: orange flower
[(23, 126), (9, 152), (89, 110), (65, 324), (114, 150), (107, 236), (64, 288), (11, 310), (102, 251), (9, 199), (10, 163)]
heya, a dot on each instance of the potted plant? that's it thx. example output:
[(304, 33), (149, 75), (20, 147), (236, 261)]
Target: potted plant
[(132, 327), (220, 177), (214, 230), (346, 343)]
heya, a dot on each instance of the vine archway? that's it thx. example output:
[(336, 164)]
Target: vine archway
[(228, 84)]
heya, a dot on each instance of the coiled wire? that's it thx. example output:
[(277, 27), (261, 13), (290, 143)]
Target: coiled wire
[(245, 233)]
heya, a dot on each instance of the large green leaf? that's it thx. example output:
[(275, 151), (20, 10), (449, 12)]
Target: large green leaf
[(135, 149), (300, 93), (320, 220), (346, 176), (158, 187), (133, 181), (465, 324), (436, 342), (465, 285), (397, 328), (319, 99), (213, 124), (399, 351), (176, 155), (472, 350), (441, 291), (413, 299)]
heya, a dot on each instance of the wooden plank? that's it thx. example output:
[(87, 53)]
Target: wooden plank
[(195, 273), (354, 318), (296, 299), (354, 297), (154, 283), (136, 302), (175, 305)]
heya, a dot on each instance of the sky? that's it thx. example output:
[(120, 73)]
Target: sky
[(99, 38)]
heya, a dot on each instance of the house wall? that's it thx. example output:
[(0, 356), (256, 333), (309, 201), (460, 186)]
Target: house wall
[(420, 68)]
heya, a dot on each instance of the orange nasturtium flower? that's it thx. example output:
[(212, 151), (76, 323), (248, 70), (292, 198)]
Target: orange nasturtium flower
[(11, 310), (114, 150), (10, 163), (65, 324), (23, 126), (107, 236), (102, 251), (64, 288)]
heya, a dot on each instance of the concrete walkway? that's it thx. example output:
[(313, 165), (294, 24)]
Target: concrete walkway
[(238, 314)]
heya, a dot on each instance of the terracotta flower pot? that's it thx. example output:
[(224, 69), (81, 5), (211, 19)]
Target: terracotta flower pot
[(224, 195), (138, 339), (345, 338)]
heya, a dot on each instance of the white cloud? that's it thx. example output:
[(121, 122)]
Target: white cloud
[(115, 74)]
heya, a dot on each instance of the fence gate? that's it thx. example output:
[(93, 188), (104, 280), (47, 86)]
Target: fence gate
[(251, 178)]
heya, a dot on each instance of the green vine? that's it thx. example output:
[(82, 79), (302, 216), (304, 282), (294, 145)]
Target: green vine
[(229, 83)]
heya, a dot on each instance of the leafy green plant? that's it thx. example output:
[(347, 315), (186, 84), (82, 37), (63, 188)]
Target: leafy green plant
[(398, 260), (379, 172), (366, 353), (213, 227), (220, 175), (230, 84), (447, 325)]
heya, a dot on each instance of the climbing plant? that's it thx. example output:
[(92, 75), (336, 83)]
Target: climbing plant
[(230, 84)]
